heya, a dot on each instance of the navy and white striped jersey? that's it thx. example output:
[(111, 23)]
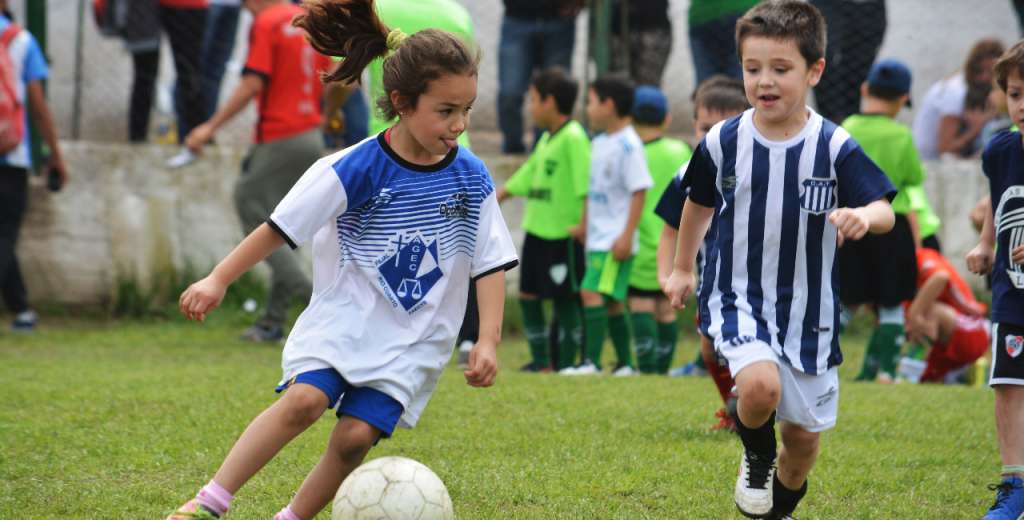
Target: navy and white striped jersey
[(771, 272)]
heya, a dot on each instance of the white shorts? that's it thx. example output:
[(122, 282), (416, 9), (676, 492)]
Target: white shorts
[(811, 402)]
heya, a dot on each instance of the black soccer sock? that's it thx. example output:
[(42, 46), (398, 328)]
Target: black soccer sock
[(785, 500), (760, 440)]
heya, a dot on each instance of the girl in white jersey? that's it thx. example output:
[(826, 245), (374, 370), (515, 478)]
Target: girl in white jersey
[(400, 223)]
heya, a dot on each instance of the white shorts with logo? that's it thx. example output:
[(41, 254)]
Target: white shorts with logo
[(811, 402)]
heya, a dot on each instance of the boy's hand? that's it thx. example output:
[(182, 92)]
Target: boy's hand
[(579, 232), (622, 248), (198, 137), (918, 331), (201, 297), (483, 365), (1017, 255), (852, 224), (679, 287), (979, 260)]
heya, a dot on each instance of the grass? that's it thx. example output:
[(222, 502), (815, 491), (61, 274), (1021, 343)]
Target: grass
[(127, 419)]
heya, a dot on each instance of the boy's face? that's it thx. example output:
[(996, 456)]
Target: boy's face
[(540, 109), (708, 118), (1015, 97), (599, 113), (776, 77)]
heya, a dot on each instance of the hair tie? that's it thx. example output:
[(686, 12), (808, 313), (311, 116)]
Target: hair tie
[(395, 38)]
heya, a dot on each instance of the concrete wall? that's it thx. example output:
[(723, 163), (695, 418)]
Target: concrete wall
[(124, 217)]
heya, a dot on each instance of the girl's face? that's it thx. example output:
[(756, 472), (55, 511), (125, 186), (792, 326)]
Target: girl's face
[(776, 78), (441, 114)]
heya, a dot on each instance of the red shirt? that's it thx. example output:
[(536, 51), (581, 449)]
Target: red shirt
[(957, 294), (279, 53), (185, 4)]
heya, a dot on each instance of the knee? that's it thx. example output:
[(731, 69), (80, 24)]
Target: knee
[(591, 299), (800, 442), (356, 440), (760, 394), (304, 406)]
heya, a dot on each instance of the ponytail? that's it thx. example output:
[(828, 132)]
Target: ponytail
[(347, 29)]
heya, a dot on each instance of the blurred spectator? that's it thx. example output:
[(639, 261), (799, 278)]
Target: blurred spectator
[(954, 110), (649, 40), (712, 37), (282, 72), (855, 32), (1001, 121), (218, 43), (31, 69), (535, 34)]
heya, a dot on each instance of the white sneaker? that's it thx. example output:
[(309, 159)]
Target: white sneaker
[(586, 369), (182, 159), (624, 371), (754, 486), (567, 371)]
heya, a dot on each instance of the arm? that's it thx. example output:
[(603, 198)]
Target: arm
[(248, 88), (579, 231), (915, 229), (205, 295), (853, 223), (43, 119), (622, 248), (979, 259), (920, 323), (949, 126), (666, 253), (693, 226), (502, 195), (483, 359)]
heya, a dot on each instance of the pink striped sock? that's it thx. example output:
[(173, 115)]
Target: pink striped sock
[(215, 498), (287, 514)]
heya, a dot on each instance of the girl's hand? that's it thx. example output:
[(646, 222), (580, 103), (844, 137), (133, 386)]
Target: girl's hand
[(679, 287), (201, 297), (483, 365), (979, 260), (852, 224)]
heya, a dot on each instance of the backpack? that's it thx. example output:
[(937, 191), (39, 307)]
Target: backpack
[(12, 110)]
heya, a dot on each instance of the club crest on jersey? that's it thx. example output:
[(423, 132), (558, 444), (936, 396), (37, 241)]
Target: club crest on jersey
[(1014, 345), (410, 271), (818, 195), (455, 206)]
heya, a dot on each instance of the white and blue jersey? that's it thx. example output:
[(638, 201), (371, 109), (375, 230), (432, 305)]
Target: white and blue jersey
[(1003, 164), (770, 274), (29, 65), (395, 246)]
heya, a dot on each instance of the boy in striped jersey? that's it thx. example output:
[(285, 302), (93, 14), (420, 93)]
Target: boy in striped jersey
[(781, 189)]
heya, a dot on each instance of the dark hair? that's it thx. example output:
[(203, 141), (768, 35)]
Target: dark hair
[(785, 20), (618, 88), (886, 93), (720, 93), (555, 82), (984, 49), (350, 29), (1011, 60)]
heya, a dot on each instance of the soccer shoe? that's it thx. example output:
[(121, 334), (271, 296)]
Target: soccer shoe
[(586, 369), (624, 371), (688, 370), (533, 366), (1009, 503), (191, 510), (725, 421), (754, 485), (25, 321), (260, 333)]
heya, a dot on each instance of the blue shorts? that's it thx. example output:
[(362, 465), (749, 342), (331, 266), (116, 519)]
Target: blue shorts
[(366, 404)]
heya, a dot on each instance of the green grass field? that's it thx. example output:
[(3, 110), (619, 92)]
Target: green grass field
[(107, 419)]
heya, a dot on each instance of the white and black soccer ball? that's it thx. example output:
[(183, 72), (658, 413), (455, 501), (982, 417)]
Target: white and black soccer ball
[(392, 488)]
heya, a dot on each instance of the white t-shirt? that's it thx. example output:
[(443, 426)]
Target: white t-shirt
[(395, 246), (945, 98), (618, 169)]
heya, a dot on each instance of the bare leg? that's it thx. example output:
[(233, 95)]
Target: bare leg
[(798, 454), (759, 392), (349, 444), (1010, 424), (270, 431)]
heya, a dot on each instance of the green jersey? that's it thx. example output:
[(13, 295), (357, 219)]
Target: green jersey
[(927, 221), (891, 146), (412, 16), (702, 11), (665, 156), (554, 181)]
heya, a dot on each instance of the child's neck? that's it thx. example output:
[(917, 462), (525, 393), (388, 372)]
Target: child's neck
[(557, 122), (617, 124), (648, 133), (785, 129), (880, 106), (408, 148)]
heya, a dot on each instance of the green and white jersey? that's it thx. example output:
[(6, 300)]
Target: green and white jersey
[(665, 156), (618, 169), (554, 181), (891, 146)]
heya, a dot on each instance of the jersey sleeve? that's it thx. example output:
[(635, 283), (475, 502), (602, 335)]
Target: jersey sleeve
[(321, 195), (519, 183), (260, 60), (35, 67), (494, 250), (638, 176), (670, 206), (861, 181), (701, 175)]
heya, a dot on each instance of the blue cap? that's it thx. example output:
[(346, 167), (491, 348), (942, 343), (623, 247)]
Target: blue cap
[(649, 105), (890, 74)]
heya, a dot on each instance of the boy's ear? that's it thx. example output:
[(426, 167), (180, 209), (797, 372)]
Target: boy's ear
[(864, 89), (666, 122), (815, 71)]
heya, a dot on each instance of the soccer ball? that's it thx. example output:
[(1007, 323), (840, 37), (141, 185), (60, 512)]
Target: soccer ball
[(392, 488)]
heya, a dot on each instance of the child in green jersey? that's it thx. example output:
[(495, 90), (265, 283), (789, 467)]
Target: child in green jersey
[(554, 181), (654, 320)]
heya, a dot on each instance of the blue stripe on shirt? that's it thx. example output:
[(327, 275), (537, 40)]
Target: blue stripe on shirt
[(755, 237), (730, 325), (787, 243)]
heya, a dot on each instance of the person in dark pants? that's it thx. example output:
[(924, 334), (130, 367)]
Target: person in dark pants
[(535, 35), (218, 44), (855, 33), (712, 25), (647, 42)]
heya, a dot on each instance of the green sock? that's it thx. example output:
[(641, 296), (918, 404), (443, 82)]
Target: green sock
[(595, 321), (645, 332), (890, 342), (618, 329), (869, 368), (536, 331), (570, 333), (699, 361), (668, 335)]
